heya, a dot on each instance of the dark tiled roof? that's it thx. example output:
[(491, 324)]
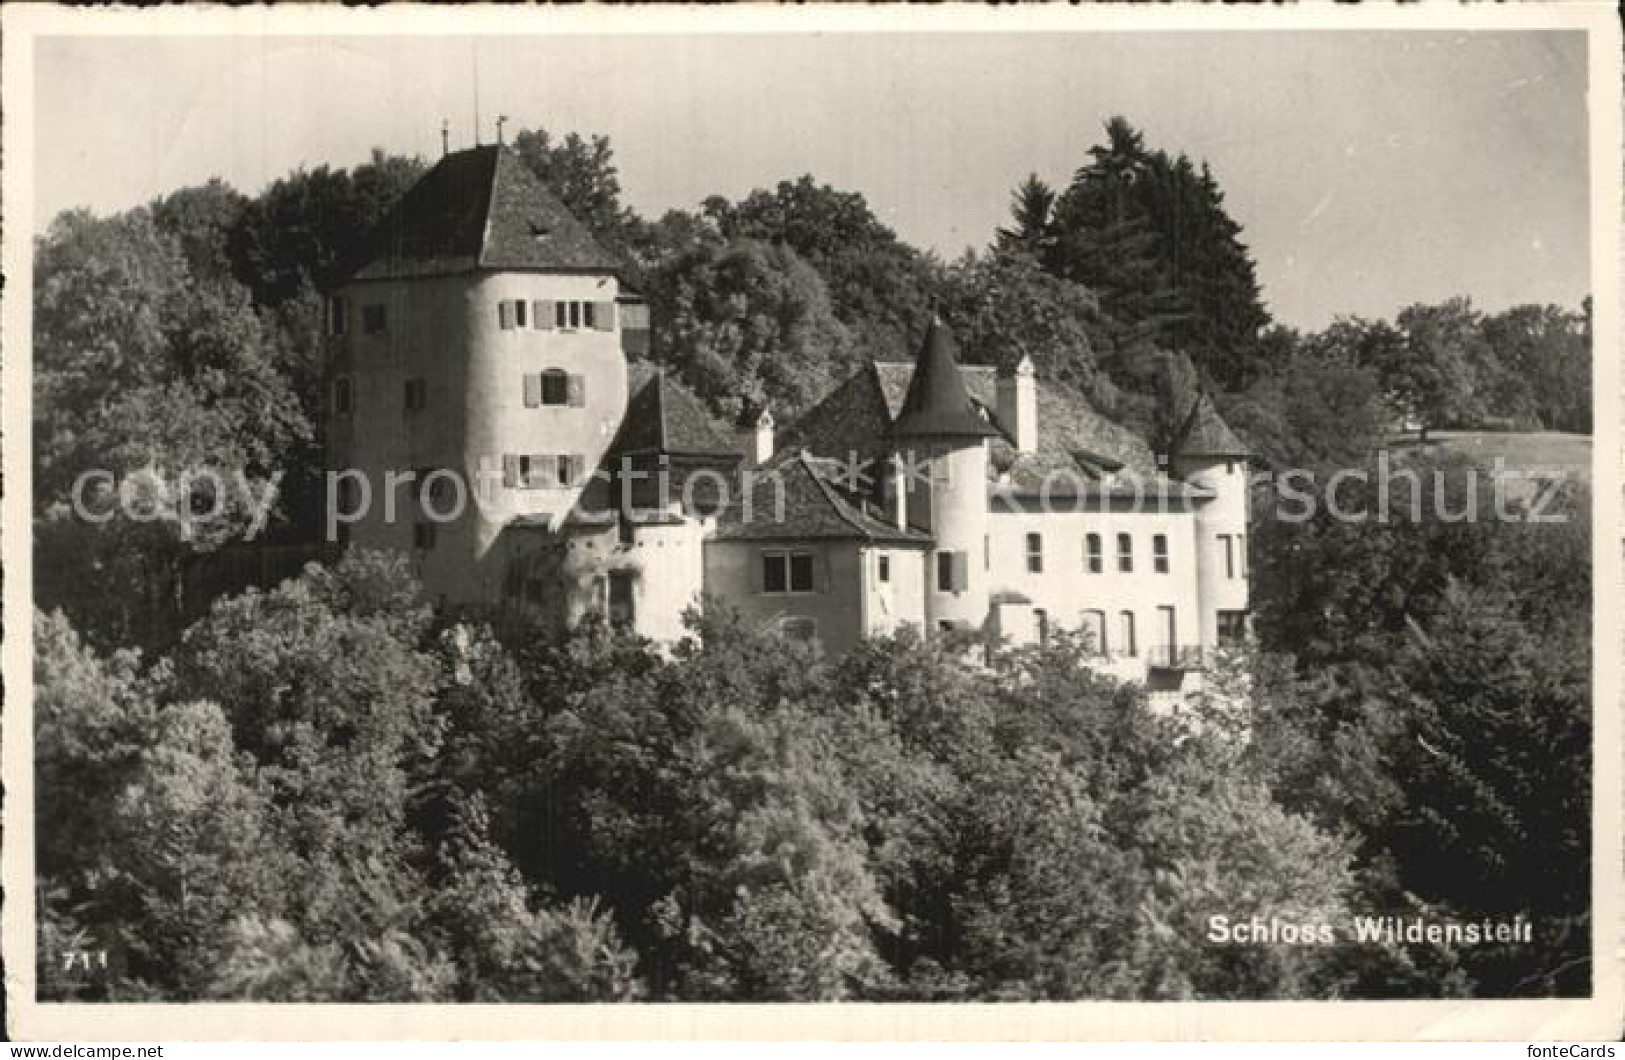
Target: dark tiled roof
[(850, 423), (813, 508), (479, 209), (1074, 441), (936, 404), (1204, 433), (663, 416)]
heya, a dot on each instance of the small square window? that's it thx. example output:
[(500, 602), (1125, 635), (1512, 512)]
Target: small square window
[(343, 395), (555, 387), (1092, 560), (1125, 553), (883, 568), (799, 628), (1159, 553)]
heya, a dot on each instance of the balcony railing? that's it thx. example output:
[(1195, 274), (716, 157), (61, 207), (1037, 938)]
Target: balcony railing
[(1176, 657)]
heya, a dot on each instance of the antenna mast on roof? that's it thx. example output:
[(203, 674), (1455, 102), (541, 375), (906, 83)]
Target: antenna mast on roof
[(445, 137), (500, 119)]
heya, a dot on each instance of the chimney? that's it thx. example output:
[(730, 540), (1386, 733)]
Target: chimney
[(1018, 404), (761, 448)]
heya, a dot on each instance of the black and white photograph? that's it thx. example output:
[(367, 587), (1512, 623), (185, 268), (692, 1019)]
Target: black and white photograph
[(536, 511)]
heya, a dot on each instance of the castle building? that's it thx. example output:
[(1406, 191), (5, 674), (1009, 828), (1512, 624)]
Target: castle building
[(489, 412)]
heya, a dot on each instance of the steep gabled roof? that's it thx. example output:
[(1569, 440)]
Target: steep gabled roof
[(663, 416), (936, 404), (1205, 434), (812, 508), (479, 209), (1073, 438)]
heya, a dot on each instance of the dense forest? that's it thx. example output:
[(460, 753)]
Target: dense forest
[(324, 789)]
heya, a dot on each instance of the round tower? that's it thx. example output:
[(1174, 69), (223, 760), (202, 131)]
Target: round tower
[(1207, 454), (939, 440)]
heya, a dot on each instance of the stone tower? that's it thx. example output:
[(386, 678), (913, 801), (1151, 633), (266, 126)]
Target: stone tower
[(476, 348), (1207, 454)]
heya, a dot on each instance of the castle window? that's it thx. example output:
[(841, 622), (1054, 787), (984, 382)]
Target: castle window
[(883, 568), (417, 394), (343, 395), (787, 572), (519, 313), (1094, 632), (1229, 545), (575, 315), (799, 628), (1092, 560), (374, 319), (423, 536), (620, 603), (561, 314), (1035, 553), (1125, 633), (1232, 627), (555, 387), (569, 470), (1125, 553), (586, 314), (1159, 553), (336, 313), (952, 576)]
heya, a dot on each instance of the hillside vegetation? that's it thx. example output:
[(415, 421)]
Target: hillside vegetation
[(328, 790)]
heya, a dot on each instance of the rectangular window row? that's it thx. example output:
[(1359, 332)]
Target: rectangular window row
[(1100, 642), (543, 470), (555, 387), (1094, 560), (414, 395), (544, 314)]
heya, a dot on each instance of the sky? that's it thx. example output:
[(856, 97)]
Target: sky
[(1369, 170)]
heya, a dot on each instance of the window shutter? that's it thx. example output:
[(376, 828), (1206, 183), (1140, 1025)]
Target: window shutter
[(505, 315), (510, 470), (603, 316), (533, 390), (960, 575), (576, 389), (542, 467), (542, 315)]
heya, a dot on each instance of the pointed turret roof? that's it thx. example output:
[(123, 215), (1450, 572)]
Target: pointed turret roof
[(937, 403), (1205, 434), (479, 209)]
